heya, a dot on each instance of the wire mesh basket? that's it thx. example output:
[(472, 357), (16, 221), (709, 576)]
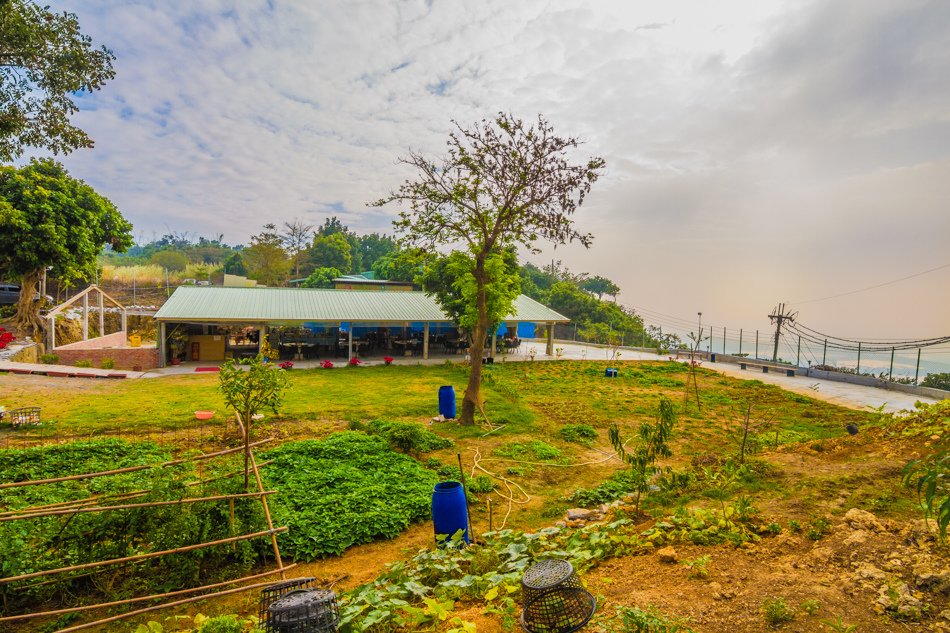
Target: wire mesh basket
[(555, 601), (272, 592), (304, 611), (561, 610)]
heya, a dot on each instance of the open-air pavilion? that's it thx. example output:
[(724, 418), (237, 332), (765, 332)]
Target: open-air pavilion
[(214, 324)]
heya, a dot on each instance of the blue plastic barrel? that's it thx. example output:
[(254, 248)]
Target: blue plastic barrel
[(449, 512), (610, 373), (447, 401)]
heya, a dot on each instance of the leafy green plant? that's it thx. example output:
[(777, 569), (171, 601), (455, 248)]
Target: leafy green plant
[(838, 626), (408, 437), (107, 363), (615, 487), (83, 363), (776, 611), (648, 620), (774, 528), (794, 526), (818, 528), (811, 606), (930, 477), (937, 381), (652, 444), (49, 359), (699, 567), (481, 484), (578, 433), (534, 449)]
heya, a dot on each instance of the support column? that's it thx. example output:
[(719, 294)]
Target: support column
[(52, 334), (161, 343), (425, 341), (549, 349), (349, 343), (102, 316), (85, 317), (125, 322)]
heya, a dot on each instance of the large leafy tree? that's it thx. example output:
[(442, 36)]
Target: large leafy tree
[(265, 258), (322, 278), (332, 251), (600, 286), (50, 220), (44, 62), (502, 183)]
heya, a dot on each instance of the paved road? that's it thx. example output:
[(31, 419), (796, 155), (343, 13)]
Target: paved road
[(840, 393)]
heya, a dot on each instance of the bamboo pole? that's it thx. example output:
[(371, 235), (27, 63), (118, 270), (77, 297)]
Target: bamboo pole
[(163, 606), (138, 557), (103, 605), (129, 469), (127, 506), (119, 495), (260, 487)]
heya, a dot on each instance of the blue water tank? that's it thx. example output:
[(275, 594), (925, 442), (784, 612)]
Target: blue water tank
[(449, 512), (447, 402), (610, 373)]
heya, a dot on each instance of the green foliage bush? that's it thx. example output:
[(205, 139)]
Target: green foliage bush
[(348, 489), (107, 363), (83, 363), (578, 433), (937, 381), (776, 611), (49, 359), (533, 450), (618, 485), (408, 437), (648, 620)]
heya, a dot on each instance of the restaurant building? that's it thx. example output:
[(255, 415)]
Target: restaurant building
[(216, 323)]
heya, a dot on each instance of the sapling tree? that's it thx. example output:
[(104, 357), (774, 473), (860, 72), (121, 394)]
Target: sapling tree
[(696, 339), (653, 443), (503, 183), (249, 389)]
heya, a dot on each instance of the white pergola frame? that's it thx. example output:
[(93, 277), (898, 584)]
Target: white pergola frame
[(84, 295)]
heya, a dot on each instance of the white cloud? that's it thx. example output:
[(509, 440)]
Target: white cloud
[(756, 150)]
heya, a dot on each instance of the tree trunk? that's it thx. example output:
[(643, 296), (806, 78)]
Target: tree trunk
[(28, 311), (473, 395)]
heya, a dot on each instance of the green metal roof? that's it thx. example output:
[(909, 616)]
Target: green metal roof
[(286, 305)]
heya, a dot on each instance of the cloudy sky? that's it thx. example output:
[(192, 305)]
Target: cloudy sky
[(757, 151)]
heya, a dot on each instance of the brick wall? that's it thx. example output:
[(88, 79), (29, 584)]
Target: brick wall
[(124, 357)]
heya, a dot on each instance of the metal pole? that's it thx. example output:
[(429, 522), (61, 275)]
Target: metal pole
[(858, 370), (133, 287), (824, 352), (890, 372), (740, 341), (756, 343), (724, 340), (917, 372), (798, 357)]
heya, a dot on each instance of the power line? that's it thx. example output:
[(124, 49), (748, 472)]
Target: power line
[(886, 283)]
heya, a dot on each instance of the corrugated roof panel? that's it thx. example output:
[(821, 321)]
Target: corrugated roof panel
[(306, 304)]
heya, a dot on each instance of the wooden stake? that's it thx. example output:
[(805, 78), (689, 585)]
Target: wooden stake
[(130, 469), (468, 509), (103, 605), (163, 606), (270, 523), (138, 557)]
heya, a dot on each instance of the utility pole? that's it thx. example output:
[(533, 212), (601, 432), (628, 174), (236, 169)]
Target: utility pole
[(778, 317)]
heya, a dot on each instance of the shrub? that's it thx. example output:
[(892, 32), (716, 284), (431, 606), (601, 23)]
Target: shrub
[(481, 484), (811, 606), (388, 360), (49, 359), (578, 433), (818, 528), (408, 437), (650, 620), (535, 449), (937, 381), (776, 611), (222, 624), (326, 364), (83, 363), (929, 477), (355, 362), (107, 363)]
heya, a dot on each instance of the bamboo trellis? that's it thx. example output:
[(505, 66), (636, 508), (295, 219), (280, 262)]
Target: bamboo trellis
[(82, 505)]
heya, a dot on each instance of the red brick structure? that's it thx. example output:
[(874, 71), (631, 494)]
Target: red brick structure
[(111, 346)]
